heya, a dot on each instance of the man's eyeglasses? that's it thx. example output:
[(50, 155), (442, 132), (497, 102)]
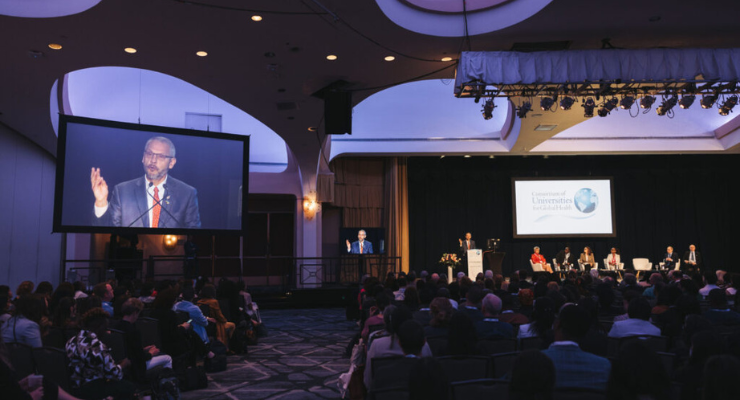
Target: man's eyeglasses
[(157, 157)]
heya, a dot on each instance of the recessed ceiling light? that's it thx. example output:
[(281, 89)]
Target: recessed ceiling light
[(130, 50), (331, 57), (312, 129), (256, 18), (442, 156), (467, 156), (491, 157), (445, 59), (542, 127), (201, 53), (389, 58), (55, 46)]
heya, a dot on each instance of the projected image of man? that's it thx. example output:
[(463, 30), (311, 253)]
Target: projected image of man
[(361, 246), (155, 201)]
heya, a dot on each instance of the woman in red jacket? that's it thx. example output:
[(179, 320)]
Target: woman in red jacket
[(538, 258)]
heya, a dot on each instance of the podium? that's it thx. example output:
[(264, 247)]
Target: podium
[(475, 263)]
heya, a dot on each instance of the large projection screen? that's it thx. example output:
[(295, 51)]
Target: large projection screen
[(563, 207), (156, 180)]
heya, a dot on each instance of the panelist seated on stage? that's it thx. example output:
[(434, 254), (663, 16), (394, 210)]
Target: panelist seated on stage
[(361, 246), (613, 260), (155, 201), (587, 258), (691, 260), (565, 259), (670, 258), (467, 244), (538, 258)]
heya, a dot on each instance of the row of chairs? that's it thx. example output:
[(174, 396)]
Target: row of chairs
[(52, 363)]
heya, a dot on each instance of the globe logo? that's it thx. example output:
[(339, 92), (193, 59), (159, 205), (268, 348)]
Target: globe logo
[(586, 200)]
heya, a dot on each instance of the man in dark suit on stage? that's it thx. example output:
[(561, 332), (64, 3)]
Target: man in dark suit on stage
[(155, 201), (361, 246), (465, 245), (670, 258), (691, 260), (565, 259)]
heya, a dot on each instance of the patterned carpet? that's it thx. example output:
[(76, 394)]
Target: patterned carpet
[(301, 358)]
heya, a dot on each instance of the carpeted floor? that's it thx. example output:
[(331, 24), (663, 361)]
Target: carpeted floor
[(301, 358)]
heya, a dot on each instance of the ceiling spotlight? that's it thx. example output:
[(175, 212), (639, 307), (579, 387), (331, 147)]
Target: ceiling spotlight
[(609, 105), (130, 50), (727, 106), (667, 106), (55, 46), (627, 102), (331, 57), (647, 102), (708, 101), (389, 58), (547, 102), (467, 156), (588, 108), (256, 18), (201, 54), (446, 59), (488, 109), (566, 103), (686, 101), (522, 111)]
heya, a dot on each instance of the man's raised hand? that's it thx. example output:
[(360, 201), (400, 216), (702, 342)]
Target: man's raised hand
[(99, 188)]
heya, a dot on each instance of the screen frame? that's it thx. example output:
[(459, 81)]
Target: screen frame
[(57, 225), (515, 233)]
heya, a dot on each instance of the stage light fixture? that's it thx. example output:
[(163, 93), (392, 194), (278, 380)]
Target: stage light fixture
[(488, 109), (647, 102), (546, 103), (566, 103), (727, 106), (627, 102), (667, 105), (611, 104), (602, 112), (686, 101), (708, 101), (522, 111), (588, 108)]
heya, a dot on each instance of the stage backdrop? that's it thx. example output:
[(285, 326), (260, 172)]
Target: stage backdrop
[(659, 200)]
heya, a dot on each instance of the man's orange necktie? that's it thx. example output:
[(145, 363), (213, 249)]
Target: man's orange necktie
[(157, 208), (360, 247)]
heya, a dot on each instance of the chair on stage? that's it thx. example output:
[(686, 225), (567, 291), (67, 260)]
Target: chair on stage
[(558, 268), (536, 267), (618, 269), (677, 268), (641, 264), (582, 268)]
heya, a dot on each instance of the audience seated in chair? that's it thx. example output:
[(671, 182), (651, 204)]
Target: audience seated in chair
[(574, 367), (441, 310), (104, 291), (543, 317), (198, 321), (490, 327), (638, 322), (23, 326), (721, 375), (427, 381), (224, 328), (462, 339), (382, 300), (94, 374), (532, 376), (704, 345), (638, 373), (142, 358), (710, 283), (719, 313), (474, 296)]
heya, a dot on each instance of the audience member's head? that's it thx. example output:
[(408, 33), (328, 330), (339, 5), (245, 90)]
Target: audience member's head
[(572, 324), (428, 381), (103, 291), (706, 344), (710, 278), (717, 299), (131, 307), (30, 306), (638, 373), (462, 338), (95, 320), (208, 291), (435, 277), (532, 376), (64, 312), (45, 289), (543, 315), (606, 296), (630, 279), (655, 278), (26, 287), (489, 274), (411, 337), (441, 310), (526, 297), (491, 305), (188, 293), (639, 308), (411, 298), (721, 375), (398, 316), (165, 299), (474, 296)]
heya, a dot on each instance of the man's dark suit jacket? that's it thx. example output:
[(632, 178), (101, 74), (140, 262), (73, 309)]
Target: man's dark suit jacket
[(560, 258), (492, 328), (670, 264), (464, 248), (685, 260), (128, 202)]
